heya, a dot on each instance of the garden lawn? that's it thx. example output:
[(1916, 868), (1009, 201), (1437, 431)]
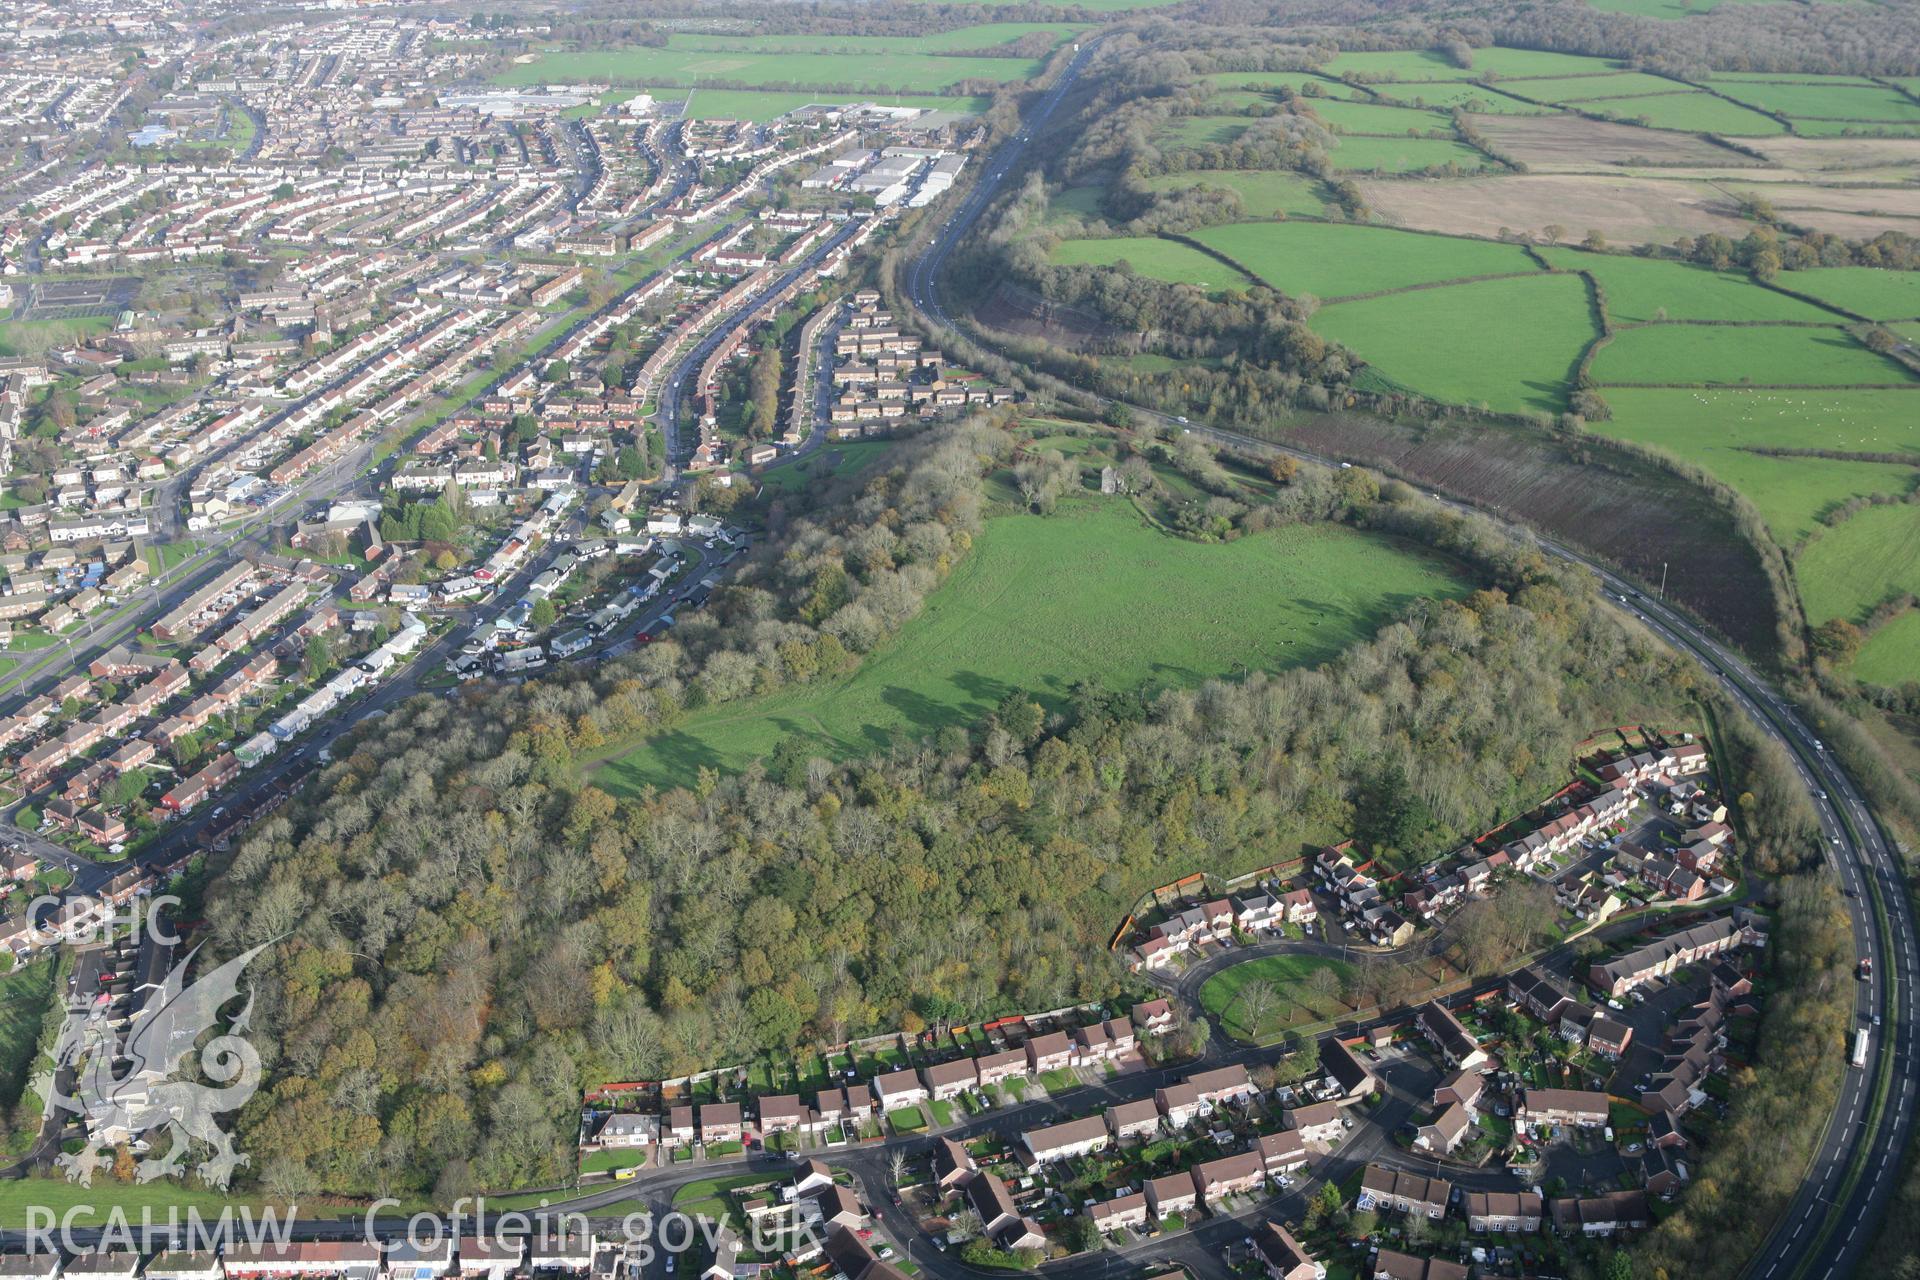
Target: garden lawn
[(1511, 344), (1723, 355), (1872, 292), (1708, 427), (1153, 257), (849, 71), (1639, 289), (1337, 260), (1851, 568), (1089, 593), (1295, 1002), (1263, 192), (1692, 112), (1891, 656), (1405, 155)]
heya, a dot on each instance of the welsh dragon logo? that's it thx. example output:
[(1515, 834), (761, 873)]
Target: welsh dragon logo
[(147, 1097)]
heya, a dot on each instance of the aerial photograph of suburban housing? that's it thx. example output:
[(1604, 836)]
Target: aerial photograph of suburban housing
[(940, 639)]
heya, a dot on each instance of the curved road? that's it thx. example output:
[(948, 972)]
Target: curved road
[(1857, 1168)]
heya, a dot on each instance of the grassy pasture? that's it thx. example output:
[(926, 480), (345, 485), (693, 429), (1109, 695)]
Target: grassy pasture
[(1624, 84), (1472, 97), (1263, 192), (850, 71), (1891, 655), (1826, 101), (1397, 64), (1732, 356), (1079, 202), (1197, 131), (1673, 10), (1151, 256), (1281, 80), (1852, 567), (1709, 428), (1405, 155), (1512, 344), (1852, 128), (986, 35), (1691, 113), (1335, 260), (1511, 63), (1364, 117), (1090, 593), (1638, 290), (1872, 292)]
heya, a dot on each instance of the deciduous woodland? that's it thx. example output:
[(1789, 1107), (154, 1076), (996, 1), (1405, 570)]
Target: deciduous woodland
[(469, 934)]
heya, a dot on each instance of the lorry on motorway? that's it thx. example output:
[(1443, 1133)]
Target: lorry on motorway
[(1860, 1048), (1866, 968)]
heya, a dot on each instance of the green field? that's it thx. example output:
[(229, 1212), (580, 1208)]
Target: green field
[(1866, 291), (1405, 155), (1826, 101), (1709, 428), (1338, 260), (90, 1206), (859, 73), (1090, 593), (1690, 112), (1853, 567), (1075, 202), (1471, 96), (1201, 131), (1296, 1004), (1843, 128), (32, 337), (1891, 656), (1281, 80), (985, 35), (1153, 257), (1674, 9), (1640, 290), (1366, 117), (1512, 63), (834, 460), (1757, 355), (1624, 84), (1510, 344), (1263, 192), (1430, 64), (1409, 64)]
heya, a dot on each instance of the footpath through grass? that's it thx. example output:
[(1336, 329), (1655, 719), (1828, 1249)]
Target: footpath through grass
[(1090, 593)]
